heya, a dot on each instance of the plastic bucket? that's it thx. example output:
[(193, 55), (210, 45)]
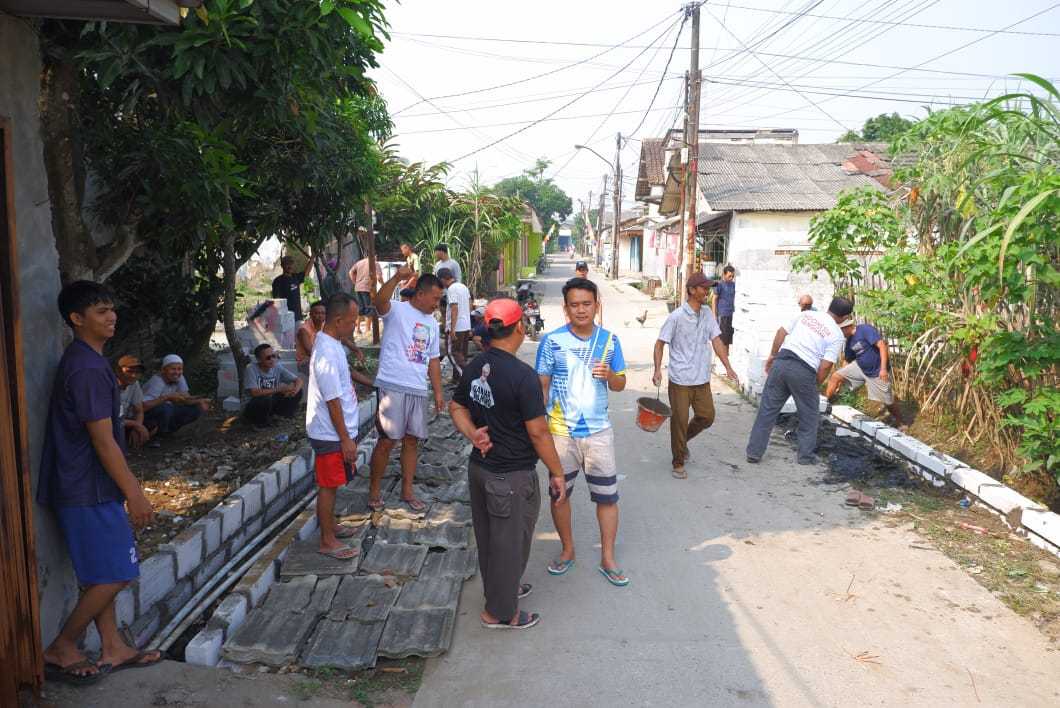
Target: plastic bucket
[(651, 414)]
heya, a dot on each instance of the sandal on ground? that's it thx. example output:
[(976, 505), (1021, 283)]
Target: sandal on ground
[(614, 576), (345, 531), (526, 621), (679, 473), (559, 567), (376, 504), (415, 504), (866, 503), (68, 674), (140, 661), (524, 590), (341, 553)]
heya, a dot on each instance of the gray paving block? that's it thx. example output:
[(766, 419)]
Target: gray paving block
[(454, 563), (399, 559), (436, 473), (458, 514), (270, 637), (292, 595), (323, 595), (430, 593), (365, 598), (349, 502), (421, 533), (416, 633), (303, 559), (343, 644)]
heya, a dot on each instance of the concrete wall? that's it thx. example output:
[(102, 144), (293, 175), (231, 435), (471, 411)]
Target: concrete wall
[(767, 290), (42, 328)]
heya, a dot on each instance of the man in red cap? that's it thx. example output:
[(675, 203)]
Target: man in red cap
[(498, 407), (688, 330)]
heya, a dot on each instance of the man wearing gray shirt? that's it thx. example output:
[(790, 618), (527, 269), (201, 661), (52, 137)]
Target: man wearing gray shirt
[(273, 389), (687, 330)]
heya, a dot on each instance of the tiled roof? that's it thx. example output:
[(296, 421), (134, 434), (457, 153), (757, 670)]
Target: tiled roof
[(787, 177), (652, 169)]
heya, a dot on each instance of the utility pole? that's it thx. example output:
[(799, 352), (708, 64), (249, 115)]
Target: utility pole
[(679, 266), (618, 205), (600, 224), (692, 169)]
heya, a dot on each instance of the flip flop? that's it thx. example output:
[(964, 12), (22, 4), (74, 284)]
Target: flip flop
[(376, 504), (679, 473), (866, 503), (524, 590), (560, 567), (341, 553), (526, 621), (614, 576), (66, 674), (415, 504), (137, 662), (345, 532), (853, 498)]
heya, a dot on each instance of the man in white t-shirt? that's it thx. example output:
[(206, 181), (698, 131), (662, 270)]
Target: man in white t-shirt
[(802, 356), (331, 421), (457, 320), (408, 356)]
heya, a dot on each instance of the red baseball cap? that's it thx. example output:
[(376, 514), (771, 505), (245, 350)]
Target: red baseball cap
[(504, 309)]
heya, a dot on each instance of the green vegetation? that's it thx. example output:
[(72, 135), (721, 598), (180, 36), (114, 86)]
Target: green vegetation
[(550, 202), (883, 128)]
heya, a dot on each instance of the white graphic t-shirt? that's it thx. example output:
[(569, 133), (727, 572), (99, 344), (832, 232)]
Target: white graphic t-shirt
[(329, 378), (410, 341), (460, 296), (814, 336)]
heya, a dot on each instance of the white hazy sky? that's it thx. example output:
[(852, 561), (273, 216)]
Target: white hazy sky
[(861, 47)]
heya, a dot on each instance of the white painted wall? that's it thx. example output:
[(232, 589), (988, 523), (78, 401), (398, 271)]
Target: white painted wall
[(767, 291)]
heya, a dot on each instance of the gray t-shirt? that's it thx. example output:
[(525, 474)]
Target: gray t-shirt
[(451, 265), (273, 378), (689, 335), (132, 398), (156, 387)]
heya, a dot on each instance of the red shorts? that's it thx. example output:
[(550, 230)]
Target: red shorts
[(332, 471)]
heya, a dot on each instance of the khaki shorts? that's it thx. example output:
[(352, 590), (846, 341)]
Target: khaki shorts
[(594, 455), (879, 390), (402, 414)]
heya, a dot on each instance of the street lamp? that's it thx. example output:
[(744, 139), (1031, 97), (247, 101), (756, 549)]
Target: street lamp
[(617, 208)]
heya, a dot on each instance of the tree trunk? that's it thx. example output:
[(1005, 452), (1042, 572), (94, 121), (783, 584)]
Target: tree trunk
[(228, 245), (369, 246)]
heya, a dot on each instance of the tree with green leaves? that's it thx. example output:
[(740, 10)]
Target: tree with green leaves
[(550, 202), (883, 128)]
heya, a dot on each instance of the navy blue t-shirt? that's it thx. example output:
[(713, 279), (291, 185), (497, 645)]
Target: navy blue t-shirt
[(726, 292), (861, 347), (85, 390)]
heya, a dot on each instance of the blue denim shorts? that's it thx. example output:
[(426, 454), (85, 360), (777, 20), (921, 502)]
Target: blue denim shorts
[(101, 543)]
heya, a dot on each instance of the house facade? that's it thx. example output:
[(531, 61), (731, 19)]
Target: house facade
[(518, 258)]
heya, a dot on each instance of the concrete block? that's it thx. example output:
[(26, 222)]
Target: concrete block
[(209, 567), (299, 469), (230, 512), (1045, 524), (869, 426), (204, 648), (909, 447), (789, 406), (937, 462), (308, 529), (252, 528), (211, 533), (846, 414), (92, 643), (270, 485), (822, 404), (251, 494), (282, 467), (146, 626), (1005, 499), (177, 597), (970, 480), (158, 575), (230, 614), (125, 607), (886, 434), (187, 547), (841, 432), (257, 586), (231, 404)]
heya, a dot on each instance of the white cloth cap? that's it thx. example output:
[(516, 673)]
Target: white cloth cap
[(171, 359)]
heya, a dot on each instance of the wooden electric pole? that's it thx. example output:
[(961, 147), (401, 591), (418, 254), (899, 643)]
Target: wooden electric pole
[(692, 168), (617, 205)]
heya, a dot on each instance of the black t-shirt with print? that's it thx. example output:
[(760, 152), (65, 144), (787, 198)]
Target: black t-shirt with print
[(502, 393)]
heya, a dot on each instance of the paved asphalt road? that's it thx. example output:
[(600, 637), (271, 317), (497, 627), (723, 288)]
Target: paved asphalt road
[(739, 587)]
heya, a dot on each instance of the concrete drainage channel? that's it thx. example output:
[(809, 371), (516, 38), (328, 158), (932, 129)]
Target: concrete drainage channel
[(294, 606)]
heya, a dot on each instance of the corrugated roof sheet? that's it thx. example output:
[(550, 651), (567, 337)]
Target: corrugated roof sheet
[(785, 177), (652, 170)]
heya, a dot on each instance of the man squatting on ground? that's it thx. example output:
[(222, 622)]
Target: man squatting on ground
[(331, 421), (687, 330), (802, 356), (498, 407), (168, 406), (408, 356), (867, 358), (457, 319), (129, 371), (86, 482), (271, 387), (577, 364)]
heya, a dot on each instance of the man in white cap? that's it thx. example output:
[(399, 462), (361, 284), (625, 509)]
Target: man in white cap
[(168, 405)]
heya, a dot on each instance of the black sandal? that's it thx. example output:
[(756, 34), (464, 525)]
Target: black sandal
[(526, 621)]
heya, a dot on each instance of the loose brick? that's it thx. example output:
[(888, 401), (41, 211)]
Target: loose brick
[(204, 648)]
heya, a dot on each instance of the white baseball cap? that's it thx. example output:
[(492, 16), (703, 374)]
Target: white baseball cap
[(169, 359)]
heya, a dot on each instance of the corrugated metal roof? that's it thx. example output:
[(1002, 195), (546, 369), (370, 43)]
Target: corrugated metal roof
[(785, 177)]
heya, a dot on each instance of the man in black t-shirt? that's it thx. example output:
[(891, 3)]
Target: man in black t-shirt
[(498, 407), (288, 286)]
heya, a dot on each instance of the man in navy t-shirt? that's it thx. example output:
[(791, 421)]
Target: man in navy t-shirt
[(867, 360), (724, 304), (86, 482)]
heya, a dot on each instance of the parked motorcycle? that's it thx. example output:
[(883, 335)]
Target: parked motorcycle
[(532, 318)]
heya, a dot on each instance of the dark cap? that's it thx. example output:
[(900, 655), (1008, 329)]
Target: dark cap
[(581, 265), (503, 310), (697, 279)]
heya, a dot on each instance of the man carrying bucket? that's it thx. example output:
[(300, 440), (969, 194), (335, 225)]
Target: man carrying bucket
[(578, 363), (687, 330)]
